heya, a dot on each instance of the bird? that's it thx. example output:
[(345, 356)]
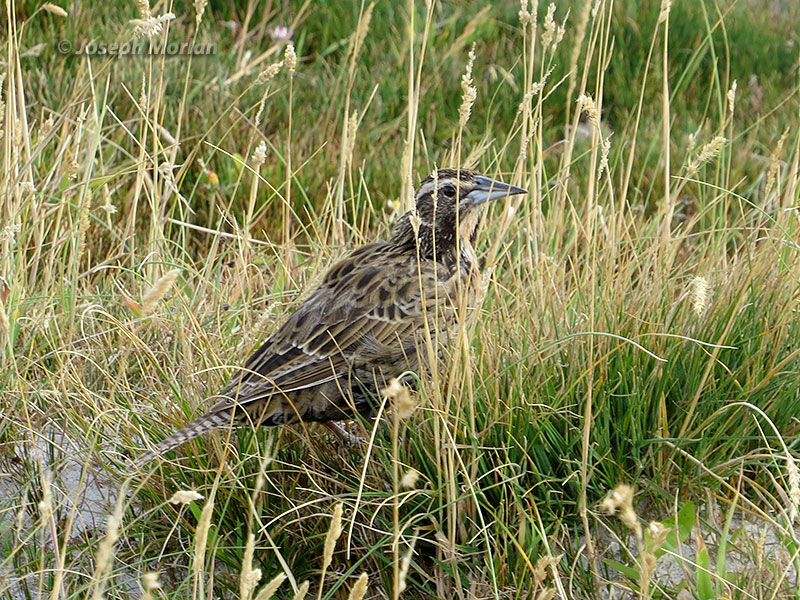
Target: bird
[(365, 323)]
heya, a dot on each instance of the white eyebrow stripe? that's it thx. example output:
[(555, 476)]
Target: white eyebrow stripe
[(425, 189), (428, 188)]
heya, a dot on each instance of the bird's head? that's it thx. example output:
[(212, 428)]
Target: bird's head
[(450, 202)]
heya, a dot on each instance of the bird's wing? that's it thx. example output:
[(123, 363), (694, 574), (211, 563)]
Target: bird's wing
[(368, 308)]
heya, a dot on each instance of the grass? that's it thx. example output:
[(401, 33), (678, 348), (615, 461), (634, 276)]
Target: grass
[(639, 326)]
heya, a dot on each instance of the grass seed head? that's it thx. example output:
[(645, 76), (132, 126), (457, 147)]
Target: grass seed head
[(468, 91), (150, 583), (793, 476), (249, 577), (405, 563), (549, 26), (658, 535), (562, 29), (259, 156), (269, 590), (586, 104), (47, 126), (108, 207), (290, 58), (410, 479), (185, 497), (542, 567), (666, 6), (334, 531), (45, 505), (732, 96), (201, 537), (199, 10), (360, 588), (400, 397), (5, 326), (143, 96), (707, 152), (525, 16), (619, 502), (105, 550), (151, 26), (302, 591), (54, 9), (699, 291), (350, 137), (605, 148), (269, 73), (361, 31), (160, 289), (9, 232), (774, 165), (144, 8)]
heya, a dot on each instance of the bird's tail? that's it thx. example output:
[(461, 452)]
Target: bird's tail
[(207, 422)]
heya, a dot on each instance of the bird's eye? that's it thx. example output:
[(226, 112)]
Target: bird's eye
[(449, 191)]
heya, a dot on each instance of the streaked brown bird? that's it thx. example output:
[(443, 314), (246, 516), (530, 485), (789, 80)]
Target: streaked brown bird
[(365, 323)]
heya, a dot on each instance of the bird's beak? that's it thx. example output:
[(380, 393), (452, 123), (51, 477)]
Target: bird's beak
[(490, 189)]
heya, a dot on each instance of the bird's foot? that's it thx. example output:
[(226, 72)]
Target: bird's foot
[(345, 436)]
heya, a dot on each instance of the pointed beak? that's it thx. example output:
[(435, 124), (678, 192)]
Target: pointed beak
[(490, 189)]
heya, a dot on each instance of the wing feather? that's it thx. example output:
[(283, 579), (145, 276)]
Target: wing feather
[(364, 307)]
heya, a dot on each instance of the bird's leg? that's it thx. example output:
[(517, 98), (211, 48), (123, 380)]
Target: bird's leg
[(344, 435)]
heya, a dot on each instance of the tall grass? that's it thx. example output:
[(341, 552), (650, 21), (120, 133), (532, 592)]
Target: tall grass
[(637, 326)]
